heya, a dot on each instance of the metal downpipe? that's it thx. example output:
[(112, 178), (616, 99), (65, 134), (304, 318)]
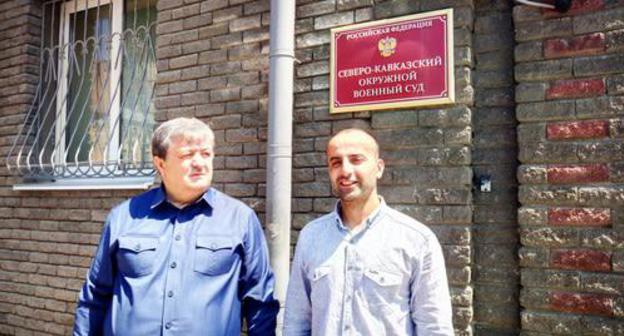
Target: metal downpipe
[(279, 149)]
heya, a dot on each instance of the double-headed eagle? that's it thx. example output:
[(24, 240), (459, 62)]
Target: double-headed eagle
[(387, 46)]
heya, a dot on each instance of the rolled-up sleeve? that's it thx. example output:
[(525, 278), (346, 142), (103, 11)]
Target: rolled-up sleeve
[(259, 306), (96, 294), (298, 313), (430, 301)]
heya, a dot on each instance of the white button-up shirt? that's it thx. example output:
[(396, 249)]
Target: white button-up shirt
[(387, 277)]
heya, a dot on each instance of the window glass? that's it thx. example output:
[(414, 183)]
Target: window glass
[(89, 96), (138, 78)]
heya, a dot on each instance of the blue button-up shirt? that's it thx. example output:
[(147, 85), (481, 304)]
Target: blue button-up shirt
[(160, 270), (386, 277)]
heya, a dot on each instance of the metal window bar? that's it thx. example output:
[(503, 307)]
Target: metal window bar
[(107, 134)]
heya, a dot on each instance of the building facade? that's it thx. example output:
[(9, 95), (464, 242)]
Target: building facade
[(539, 112)]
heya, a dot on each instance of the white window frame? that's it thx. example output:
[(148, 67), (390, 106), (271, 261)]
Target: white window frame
[(73, 7)]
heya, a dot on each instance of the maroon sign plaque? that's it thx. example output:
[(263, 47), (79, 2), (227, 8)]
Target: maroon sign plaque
[(394, 63)]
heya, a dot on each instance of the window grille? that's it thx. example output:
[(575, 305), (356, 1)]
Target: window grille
[(92, 114)]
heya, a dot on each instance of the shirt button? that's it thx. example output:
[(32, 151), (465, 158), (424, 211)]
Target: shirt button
[(348, 297), (168, 325), (173, 265), (178, 237), (170, 294), (347, 327), (137, 247)]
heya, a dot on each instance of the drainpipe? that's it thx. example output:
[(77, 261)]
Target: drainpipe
[(279, 150)]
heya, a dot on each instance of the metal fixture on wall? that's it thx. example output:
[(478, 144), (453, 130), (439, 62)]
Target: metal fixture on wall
[(559, 5), (483, 183)]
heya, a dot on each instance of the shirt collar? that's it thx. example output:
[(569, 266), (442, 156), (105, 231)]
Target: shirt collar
[(369, 221), (160, 197)]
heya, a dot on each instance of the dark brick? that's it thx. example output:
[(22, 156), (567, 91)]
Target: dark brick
[(550, 278), (598, 65), (224, 95), (549, 237), (615, 40), (314, 9), (548, 195), (197, 21), (313, 189), (547, 70), (615, 85), (241, 162), (528, 51), (166, 4), (256, 7), (245, 23), (211, 5), (599, 107), (599, 21), (185, 11), (542, 322), (537, 30), (395, 8), (544, 111), (213, 30), (409, 137), (227, 14)]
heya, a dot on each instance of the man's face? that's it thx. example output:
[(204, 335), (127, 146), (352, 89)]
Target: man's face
[(187, 169), (354, 166)]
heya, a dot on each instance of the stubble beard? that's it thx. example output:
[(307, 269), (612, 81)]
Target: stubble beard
[(356, 194)]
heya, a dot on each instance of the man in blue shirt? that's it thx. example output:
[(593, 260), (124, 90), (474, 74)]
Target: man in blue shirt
[(365, 268), (181, 259)]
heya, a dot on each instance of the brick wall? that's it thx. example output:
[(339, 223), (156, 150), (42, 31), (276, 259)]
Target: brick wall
[(495, 237), (213, 64), (570, 74)]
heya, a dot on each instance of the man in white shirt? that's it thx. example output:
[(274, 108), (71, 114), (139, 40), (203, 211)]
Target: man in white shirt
[(365, 269)]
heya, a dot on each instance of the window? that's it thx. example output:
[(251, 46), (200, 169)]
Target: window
[(93, 114)]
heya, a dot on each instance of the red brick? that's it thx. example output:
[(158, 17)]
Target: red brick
[(576, 88), (577, 130), (590, 44), (577, 7), (586, 260), (579, 216), (561, 174), (582, 303)]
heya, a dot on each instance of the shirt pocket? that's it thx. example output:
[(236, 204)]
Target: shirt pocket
[(381, 287), (136, 255), (214, 255), (320, 285)]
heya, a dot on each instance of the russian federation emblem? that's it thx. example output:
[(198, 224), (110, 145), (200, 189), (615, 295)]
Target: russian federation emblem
[(387, 46)]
